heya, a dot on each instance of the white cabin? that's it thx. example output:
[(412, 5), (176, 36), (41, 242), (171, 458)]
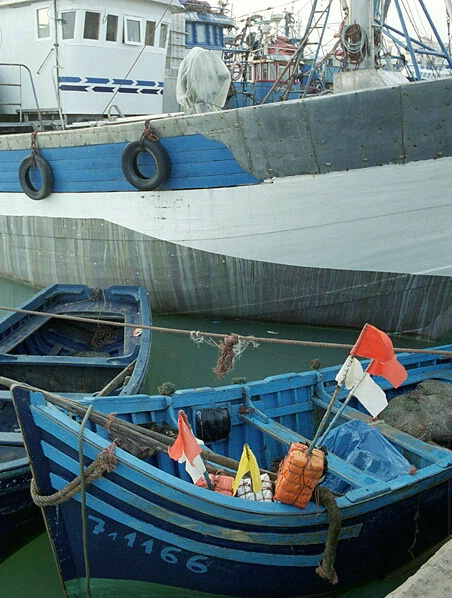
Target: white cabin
[(83, 59)]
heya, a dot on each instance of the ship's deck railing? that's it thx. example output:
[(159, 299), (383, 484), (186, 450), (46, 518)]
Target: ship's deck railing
[(19, 84)]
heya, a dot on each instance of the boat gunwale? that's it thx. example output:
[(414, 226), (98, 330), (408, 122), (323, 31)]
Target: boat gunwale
[(381, 491)]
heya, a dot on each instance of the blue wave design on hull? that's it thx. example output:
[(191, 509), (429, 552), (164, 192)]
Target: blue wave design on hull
[(103, 84)]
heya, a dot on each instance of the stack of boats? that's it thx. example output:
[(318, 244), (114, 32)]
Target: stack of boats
[(86, 342), (117, 496)]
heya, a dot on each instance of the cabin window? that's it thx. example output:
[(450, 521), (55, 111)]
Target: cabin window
[(133, 31), (111, 34), (92, 25), (265, 72), (43, 22), (201, 34), (68, 21), (163, 35), (215, 37), (149, 39), (208, 31), (190, 34)]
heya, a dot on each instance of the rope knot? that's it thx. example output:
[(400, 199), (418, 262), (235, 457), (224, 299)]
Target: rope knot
[(225, 361), (110, 420), (148, 133), (108, 458)]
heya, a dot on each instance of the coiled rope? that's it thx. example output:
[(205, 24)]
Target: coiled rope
[(354, 42)]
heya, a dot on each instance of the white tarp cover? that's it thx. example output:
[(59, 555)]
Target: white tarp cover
[(203, 82)]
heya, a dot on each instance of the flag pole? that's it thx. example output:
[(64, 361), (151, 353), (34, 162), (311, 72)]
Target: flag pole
[(340, 383), (207, 479), (327, 413), (344, 405), (376, 345)]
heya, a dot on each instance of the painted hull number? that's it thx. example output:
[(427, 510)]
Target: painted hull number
[(169, 554)]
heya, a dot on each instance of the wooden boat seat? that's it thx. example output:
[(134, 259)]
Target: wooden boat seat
[(23, 331), (337, 466), (56, 350), (11, 438)]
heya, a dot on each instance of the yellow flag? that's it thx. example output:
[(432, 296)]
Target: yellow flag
[(247, 464)]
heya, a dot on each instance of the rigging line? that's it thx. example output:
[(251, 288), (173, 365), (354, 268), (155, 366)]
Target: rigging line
[(414, 19), (275, 341), (284, 4), (134, 63), (416, 28)]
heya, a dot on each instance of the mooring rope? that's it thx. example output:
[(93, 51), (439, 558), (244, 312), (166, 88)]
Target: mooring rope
[(326, 567), (222, 336), (105, 462), (83, 501)]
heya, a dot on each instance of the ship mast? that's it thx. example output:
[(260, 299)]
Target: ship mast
[(364, 20), (360, 37), (361, 19)]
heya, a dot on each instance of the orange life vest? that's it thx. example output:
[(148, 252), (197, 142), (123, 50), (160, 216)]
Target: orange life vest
[(221, 483), (298, 475)]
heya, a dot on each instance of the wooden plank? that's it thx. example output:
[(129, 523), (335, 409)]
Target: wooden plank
[(24, 330), (56, 349), (11, 438)]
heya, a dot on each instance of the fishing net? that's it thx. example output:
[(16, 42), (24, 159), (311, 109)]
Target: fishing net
[(425, 412)]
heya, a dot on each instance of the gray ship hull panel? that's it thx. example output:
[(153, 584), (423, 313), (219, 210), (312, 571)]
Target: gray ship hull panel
[(182, 280)]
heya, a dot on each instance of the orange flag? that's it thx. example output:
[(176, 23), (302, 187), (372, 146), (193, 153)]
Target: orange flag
[(186, 449), (373, 343), (392, 370), (377, 345)]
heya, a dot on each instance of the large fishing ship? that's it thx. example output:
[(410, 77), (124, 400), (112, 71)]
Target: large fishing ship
[(324, 210)]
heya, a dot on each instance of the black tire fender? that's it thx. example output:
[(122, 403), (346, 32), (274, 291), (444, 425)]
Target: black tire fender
[(46, 176), (132, 171)]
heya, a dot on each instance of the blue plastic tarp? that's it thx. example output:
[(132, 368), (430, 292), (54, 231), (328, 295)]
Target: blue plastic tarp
[(367, 449)]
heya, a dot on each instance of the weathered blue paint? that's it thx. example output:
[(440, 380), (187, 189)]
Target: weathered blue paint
[(148, 524), (33, 349), (196, 162)]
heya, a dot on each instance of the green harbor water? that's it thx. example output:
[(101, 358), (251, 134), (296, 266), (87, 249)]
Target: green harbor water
[(29, 570)]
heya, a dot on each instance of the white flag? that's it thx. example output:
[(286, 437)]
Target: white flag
[(368, 393)]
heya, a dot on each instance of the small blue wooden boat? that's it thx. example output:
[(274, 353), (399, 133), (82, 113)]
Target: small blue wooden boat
[(81, 350), (144, 522), (88, 341)]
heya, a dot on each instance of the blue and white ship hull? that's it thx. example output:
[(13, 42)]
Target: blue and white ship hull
[(324, 211)]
